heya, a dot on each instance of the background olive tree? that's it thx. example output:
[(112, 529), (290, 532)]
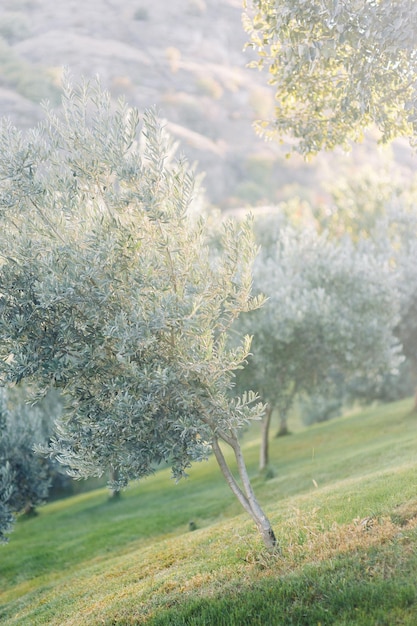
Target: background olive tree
[(394, 240), (330, 314), (377, 210), (6, 490), (110, 293), (25, 477)]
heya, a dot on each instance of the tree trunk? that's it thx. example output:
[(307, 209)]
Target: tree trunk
[(264, 452), (283, 426), (29, 510), (246, 496), (284, 407), (113, 477)]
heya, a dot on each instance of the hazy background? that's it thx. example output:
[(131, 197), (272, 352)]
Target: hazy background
[(186, 57)]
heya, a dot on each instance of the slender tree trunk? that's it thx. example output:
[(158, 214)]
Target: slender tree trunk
[(283, 425), (29, 510), (284, 408), (113, 476), (264, 452), (246, 496)]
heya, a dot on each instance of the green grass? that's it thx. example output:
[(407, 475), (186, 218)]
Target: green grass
[(343, 502)]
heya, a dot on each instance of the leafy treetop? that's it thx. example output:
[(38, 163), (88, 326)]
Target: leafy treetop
[(337, 67), (331, 311)]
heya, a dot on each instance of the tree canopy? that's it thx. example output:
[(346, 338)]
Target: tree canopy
[(337, 68), (331, 311), (109, 292), (394, 239)]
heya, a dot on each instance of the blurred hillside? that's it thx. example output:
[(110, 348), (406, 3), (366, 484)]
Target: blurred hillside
[(187, 58)]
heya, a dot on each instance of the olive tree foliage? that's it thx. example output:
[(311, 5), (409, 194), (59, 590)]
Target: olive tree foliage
[(330, 312), (378, 209), (394, 238), (6, 489), (6, 485), (379, 212), (24, 476), (337, 68), (110, 293), (358, 202), (407, 326)]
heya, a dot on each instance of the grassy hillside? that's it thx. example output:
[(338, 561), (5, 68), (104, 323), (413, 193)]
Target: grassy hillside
[(343, 502)]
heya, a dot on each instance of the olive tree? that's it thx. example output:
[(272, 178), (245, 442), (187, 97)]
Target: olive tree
[(110, 293), (6, 484), (406, 328), (6, 490), (24, 476), (379, 212), (330, 312), (337, 68), (394, 239)]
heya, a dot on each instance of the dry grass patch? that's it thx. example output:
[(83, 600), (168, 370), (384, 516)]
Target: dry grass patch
[(307, 539)]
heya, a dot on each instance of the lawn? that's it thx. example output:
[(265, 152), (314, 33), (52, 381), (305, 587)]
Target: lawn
[(343, 502)]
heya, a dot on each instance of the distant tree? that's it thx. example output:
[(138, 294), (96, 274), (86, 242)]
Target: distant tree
[(319, 407), (378, 211), (330, 312), (337, 68), (6, 486), (110, 293), (407, 326), (25, 477), (6, 490), (395, 239), (345, 391), (359, 201)]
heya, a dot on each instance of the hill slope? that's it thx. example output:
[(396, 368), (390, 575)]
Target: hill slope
[(344, 505)]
